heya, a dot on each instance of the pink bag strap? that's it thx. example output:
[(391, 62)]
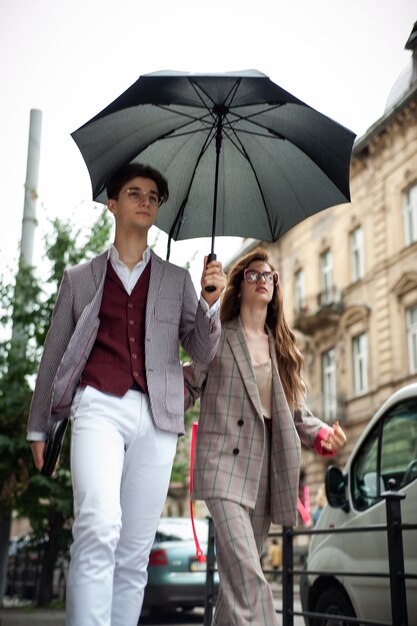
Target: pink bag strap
[(199, 553), (304, 513)]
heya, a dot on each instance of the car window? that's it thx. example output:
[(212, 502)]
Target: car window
[(181, 530), (389, 453), (399, 445), (364, 473)]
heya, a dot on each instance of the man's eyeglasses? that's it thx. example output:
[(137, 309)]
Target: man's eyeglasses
[(253, 276), (138, 196)]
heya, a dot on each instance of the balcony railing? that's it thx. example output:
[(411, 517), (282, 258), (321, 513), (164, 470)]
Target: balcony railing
[(317, 312)]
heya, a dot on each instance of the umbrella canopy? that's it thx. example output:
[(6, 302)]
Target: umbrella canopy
[(243, 157)]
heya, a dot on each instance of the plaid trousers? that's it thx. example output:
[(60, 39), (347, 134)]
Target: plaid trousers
[(245, 596)]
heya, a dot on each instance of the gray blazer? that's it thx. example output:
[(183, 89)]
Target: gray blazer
[(173, 314), (231, 430)]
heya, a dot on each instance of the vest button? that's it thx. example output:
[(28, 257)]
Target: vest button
[(130, 305), (134, 356), (136, 374), (131, 322), (240, 422), (132, 339), (236, 451)]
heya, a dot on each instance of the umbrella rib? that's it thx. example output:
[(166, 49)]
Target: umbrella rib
[(239, 146), (172, 133), (274, 134), (245, 154), (277, 135), (198, 94), (209, 123), (192, 118), (178, 217), (231, 94), (244, 132), (249, 118)]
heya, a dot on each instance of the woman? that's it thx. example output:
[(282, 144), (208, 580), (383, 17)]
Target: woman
[(252, 418)]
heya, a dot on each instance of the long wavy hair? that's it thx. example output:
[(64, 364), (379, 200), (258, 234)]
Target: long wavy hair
[(289, 358)]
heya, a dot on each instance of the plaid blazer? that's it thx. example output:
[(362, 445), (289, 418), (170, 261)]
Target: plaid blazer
[(231, 430), (172, 314)]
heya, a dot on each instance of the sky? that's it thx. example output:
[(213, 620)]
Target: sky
[(71, 58)]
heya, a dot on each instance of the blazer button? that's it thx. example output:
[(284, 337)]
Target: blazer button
[(240, 422), (236, 451)]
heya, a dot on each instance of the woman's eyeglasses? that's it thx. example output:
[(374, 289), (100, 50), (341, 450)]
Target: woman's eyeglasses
[(253, 276)]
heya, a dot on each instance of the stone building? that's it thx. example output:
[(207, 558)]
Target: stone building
[(349, 276)]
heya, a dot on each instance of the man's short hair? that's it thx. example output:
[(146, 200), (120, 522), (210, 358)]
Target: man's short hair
[(132, 170)]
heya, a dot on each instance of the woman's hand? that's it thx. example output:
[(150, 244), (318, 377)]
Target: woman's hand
[(335, 439)]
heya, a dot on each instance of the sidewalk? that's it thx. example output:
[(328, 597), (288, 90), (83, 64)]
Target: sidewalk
[(25, 617), (53, 617)]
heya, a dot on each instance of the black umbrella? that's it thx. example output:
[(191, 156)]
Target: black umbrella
[(242, 155)]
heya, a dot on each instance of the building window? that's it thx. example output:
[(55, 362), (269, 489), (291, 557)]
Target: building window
[(299, 295), (356, 254), (410, 215), (412, 338), (360, 363), (326, 267), (328, 376)]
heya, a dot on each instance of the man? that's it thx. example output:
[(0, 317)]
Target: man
[(111, 362)]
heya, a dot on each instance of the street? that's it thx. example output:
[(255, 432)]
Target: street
[(197, 617), (18, 617)]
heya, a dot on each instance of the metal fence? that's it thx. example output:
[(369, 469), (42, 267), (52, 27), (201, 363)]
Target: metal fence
[(24, 571), (397, 576)]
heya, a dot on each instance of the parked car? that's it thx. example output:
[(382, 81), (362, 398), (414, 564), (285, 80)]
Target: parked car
[(176, 580), (385, 457)]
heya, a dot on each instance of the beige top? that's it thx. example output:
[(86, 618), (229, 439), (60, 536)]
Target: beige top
[(263, 375)]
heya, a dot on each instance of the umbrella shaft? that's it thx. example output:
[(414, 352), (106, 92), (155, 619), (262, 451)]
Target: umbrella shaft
[(216, 177)]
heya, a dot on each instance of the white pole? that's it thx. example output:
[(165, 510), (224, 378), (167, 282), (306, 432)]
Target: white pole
[(29, 221)]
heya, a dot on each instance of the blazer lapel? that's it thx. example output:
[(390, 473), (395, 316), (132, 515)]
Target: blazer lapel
[(237, 342), (98, 269), (157, 270), (83, 336)]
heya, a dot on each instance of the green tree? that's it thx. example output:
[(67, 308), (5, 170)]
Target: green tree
[(20, 305), (27, 308)]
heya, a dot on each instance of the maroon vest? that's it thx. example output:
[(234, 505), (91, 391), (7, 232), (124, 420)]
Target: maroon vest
[(117, 359)]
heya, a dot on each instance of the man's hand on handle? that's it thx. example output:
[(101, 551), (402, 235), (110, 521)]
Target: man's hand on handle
[(213, 276)]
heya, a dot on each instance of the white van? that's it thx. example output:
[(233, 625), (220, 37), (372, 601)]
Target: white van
[(386, 451)]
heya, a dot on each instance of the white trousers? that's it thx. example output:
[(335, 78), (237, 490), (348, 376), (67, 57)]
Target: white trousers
[(121, 467)]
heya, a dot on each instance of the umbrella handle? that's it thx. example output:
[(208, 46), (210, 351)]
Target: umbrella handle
[(211, 257)]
